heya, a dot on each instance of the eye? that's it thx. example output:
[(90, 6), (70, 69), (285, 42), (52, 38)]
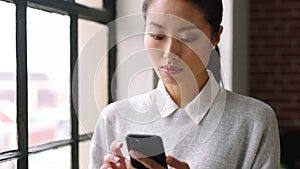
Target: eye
[(157, 36), (187, 40)]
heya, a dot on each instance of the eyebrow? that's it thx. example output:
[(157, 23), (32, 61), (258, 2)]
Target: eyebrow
[(156, 24), (181, 29), (188, 28)]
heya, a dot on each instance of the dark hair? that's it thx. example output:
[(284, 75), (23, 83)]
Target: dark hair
[(212, 10)]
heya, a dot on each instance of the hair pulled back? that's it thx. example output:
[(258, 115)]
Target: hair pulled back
[(212, 10)]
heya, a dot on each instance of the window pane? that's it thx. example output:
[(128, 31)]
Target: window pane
[(7, 77), (48, 84), (92, 73), (9, 165), (84, 148), (90, 3), (56, 158)]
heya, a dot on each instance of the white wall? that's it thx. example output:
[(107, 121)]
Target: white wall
[(134, 73), (226, 44)]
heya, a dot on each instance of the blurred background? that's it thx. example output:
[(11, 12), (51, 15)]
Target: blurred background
[(274, 67)]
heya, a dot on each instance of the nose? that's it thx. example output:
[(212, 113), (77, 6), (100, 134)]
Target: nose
[(172, 50)]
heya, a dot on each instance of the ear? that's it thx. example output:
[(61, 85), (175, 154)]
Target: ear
[(218, 36)]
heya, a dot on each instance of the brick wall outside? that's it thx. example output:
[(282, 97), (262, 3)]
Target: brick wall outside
[(275, 58)]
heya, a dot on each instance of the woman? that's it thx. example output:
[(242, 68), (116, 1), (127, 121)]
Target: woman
[(202, 124)]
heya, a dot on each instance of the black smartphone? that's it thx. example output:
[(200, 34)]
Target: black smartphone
[(149, 145)]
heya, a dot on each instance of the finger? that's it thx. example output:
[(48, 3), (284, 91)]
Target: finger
[(136, 154), (173, 162), (110, 158), (128, 164), (105, 167), (148, 162), (115, 148)]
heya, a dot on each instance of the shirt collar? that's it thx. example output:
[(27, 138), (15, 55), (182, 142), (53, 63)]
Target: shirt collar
[(169, 106), (198, 107)]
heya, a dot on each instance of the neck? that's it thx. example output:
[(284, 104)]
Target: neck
[(184, 92)]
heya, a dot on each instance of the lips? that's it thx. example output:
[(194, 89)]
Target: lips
[(172, 70)]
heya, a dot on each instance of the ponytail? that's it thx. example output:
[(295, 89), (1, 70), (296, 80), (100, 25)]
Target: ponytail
[(218, 50)]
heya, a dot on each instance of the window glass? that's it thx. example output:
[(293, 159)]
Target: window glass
[(90, 3), (84, 148), (9, 164), (50, 159), (93, 48), (48, 83), (7, 77)]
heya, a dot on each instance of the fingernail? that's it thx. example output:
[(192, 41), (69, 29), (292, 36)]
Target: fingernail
[(116, 158), (132, 152), (135, 154), (168, 159)]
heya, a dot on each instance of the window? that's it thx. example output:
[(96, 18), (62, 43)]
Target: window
[(7, 79), (43, 73)]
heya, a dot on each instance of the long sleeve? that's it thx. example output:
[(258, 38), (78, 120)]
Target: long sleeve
[(99, 145), (103, 136), (268, 153)]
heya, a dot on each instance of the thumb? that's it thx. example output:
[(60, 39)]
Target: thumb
[(173, 162), (115, 148)]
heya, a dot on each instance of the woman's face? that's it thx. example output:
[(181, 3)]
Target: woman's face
[(178, 40)]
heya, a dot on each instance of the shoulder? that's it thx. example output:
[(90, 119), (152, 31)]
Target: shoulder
[(251, 109), (138, 103), (245, 102)]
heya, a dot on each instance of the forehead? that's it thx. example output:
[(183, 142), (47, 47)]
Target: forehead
[(176, 13), (180, 8)]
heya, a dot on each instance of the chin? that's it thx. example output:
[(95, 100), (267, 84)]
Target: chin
[(168, 80)]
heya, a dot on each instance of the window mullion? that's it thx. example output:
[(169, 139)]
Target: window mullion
[(22, 83), (74, 91), (110, 5)]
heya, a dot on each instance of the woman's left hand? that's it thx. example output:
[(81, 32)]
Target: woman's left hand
[(151, 164), (176, 164)]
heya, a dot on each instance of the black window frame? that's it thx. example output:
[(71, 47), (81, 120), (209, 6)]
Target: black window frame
[(75, 11)]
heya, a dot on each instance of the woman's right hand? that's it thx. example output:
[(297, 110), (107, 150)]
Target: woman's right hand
[(116, 160)]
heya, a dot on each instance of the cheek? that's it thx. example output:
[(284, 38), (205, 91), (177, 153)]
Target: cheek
[(151, 43), (154, 53), (194, 59), (200, 53), (147, 42), (154, 56)]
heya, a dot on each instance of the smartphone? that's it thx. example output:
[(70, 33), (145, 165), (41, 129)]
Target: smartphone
[(149, 145)]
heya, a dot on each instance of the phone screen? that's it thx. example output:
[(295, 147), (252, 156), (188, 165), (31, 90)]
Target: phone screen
[(149, 145)]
